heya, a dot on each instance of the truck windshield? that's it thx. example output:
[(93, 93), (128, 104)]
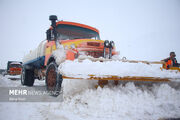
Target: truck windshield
[(69, 32), (14, 65)]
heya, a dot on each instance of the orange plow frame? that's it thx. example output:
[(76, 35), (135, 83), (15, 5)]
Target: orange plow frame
[(104, 80), (127, 78)]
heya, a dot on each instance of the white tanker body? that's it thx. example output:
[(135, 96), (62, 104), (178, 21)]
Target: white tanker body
[(36, 57)]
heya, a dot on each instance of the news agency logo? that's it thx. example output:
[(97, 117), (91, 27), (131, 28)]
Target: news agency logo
[(18, 92), (29, 94), (24, 92)]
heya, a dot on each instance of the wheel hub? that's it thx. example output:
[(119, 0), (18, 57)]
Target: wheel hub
[(51, 79)]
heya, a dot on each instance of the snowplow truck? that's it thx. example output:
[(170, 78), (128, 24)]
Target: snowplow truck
[(77, 39), (14, 68), (75, 51)]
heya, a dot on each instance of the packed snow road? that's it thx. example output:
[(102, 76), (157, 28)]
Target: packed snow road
[(83, 102)]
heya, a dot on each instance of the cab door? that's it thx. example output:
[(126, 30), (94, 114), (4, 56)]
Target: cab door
[(50, 47)]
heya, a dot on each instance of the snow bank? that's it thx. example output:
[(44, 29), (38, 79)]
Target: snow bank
[(73, 87), (122, 69), (128, 102)]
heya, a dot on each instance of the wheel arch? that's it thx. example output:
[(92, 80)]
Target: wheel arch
[(51, 59)]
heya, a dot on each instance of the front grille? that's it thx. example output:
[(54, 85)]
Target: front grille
[(95, 54), (93, 44)]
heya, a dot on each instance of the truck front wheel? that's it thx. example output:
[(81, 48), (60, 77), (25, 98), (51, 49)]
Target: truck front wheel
[(27, 77), (53, 79)]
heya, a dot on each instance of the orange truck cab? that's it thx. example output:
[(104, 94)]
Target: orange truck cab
[(78, 39)]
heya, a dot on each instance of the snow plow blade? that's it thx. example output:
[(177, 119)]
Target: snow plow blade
[(117, 70)]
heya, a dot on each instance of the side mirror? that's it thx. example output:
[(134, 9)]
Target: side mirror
[(48, 34)]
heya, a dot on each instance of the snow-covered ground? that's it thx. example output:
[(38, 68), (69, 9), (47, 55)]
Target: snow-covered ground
[(83, 102)]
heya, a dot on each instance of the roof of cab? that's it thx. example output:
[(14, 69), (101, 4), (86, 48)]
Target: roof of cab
[(77, 24)]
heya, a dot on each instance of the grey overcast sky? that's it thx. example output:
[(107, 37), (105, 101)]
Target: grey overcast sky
[(141, 29)]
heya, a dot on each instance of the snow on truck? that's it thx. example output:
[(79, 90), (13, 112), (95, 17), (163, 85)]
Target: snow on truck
[(70, 41)]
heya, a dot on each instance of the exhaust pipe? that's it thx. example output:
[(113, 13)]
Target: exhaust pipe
[(53, 19)]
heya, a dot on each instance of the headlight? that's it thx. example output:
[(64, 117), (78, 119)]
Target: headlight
[(106, 43), (112, 44), (73, 46)]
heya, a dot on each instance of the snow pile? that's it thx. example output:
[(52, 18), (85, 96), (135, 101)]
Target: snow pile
[(117, 68), (72, 87), (128, 102), (59, 54)]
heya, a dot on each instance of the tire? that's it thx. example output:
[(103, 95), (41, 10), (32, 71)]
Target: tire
[(53, 79), (27, 77)]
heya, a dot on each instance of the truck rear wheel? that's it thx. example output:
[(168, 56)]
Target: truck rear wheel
[(53, 79), (27, 77)]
